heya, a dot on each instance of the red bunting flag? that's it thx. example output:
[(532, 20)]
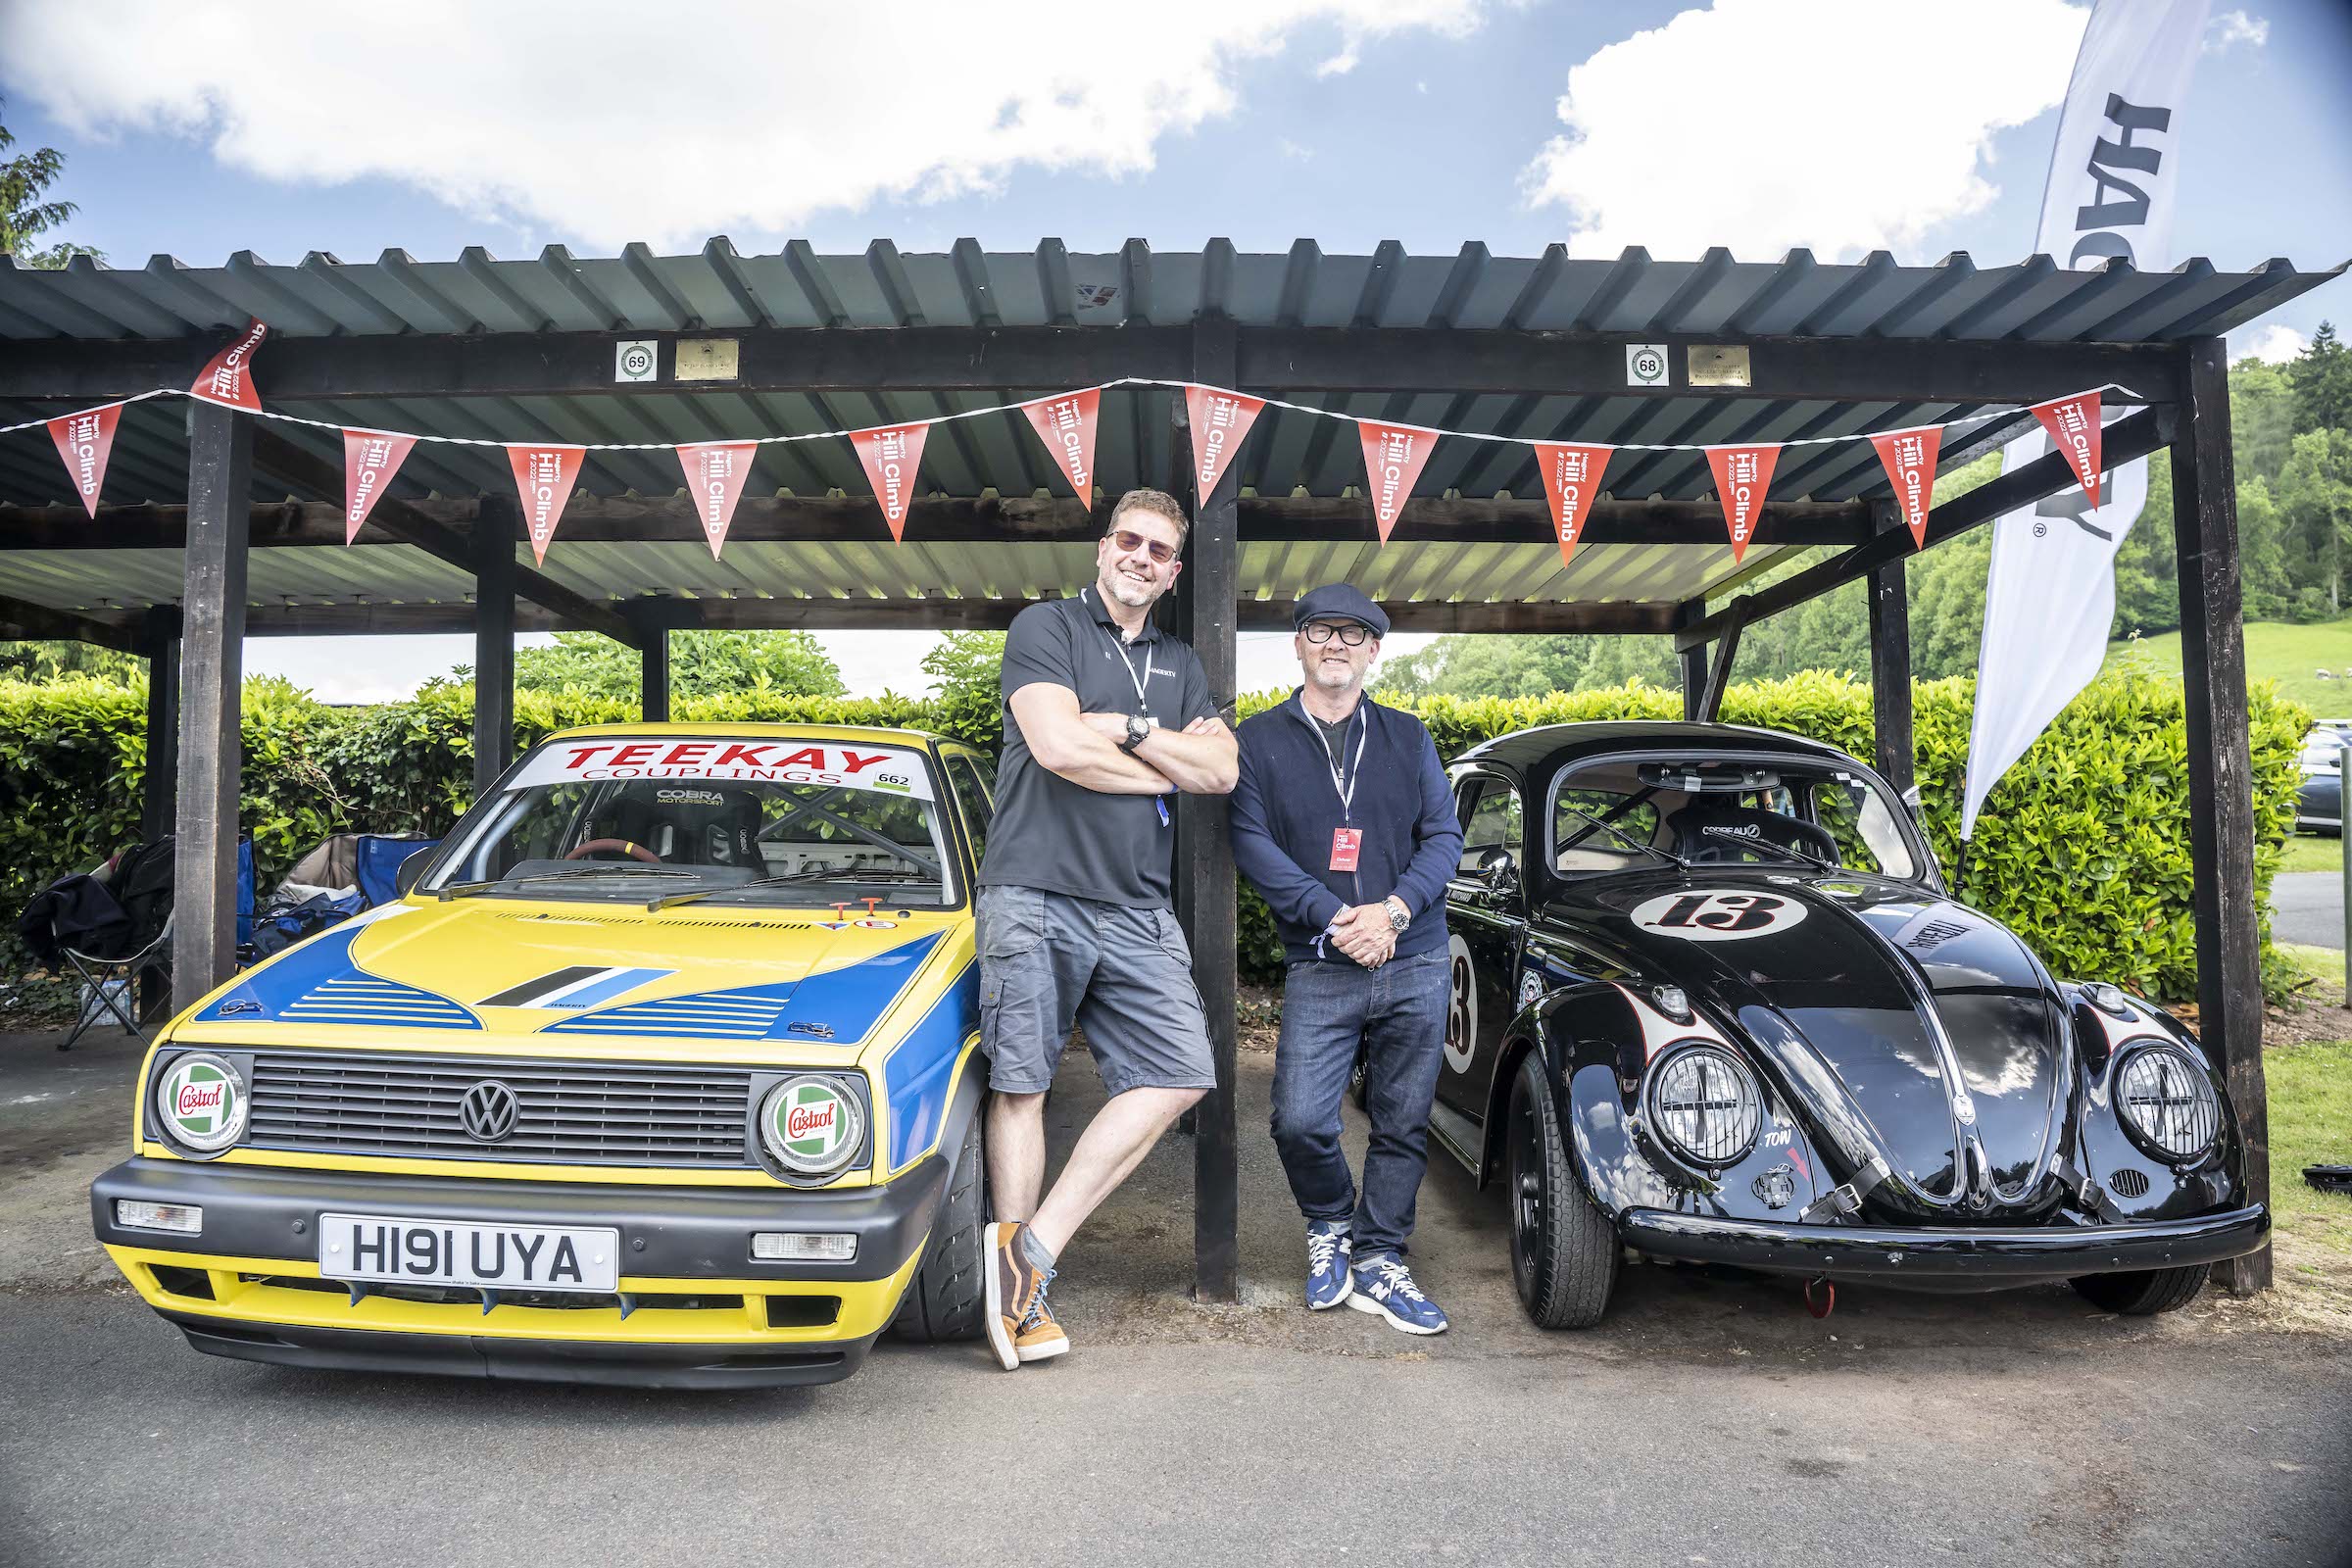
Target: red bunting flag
[(85, 440), (1910, 460), (1066, 426), (228, 379), (543, 479), (715, 475), (893, 454), (1571, 479), (371, 458), (2073, 426), (1221, 422), (1742, 475), (1394, 454)]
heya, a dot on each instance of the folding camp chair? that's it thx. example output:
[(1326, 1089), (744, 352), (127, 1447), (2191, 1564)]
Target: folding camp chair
[(107, 981)]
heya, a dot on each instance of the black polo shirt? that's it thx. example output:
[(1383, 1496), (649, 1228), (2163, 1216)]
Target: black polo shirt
[(1050, 833)]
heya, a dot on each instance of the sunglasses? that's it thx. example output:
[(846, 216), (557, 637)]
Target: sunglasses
[(1129, 543), (1351, 633)]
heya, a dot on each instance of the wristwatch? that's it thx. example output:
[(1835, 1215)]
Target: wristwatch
[(1139, 725), (1400, 917)]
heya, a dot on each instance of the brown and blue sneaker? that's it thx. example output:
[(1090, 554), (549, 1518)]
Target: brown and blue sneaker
[(1021, 1327)]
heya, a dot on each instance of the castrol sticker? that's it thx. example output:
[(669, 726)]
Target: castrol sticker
[(199, 1099), (814, 1124), (1717, 915), (883, 769)]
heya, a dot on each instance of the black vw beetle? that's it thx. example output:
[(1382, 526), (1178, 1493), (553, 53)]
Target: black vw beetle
[(1712, 1002)]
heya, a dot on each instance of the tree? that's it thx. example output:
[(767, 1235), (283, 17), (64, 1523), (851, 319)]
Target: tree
[(24, 216), (2262, 419), (2322, 376), (702, 664), (43, 661), (2315, 501)]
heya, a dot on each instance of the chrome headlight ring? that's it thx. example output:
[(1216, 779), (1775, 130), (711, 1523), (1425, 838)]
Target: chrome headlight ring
[(201, 1104), (1703, 1105), (2164, 1100)]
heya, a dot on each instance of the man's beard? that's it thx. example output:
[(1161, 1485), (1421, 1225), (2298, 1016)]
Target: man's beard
[(1129, 592), (1332, 681)]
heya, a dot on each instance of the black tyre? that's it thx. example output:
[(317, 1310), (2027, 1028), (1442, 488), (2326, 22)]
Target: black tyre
[(1563, 1250), (947, 1298), (2145, 1293)]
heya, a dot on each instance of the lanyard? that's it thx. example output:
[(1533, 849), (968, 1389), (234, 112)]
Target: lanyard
[(1345, 783), (1142, 701)]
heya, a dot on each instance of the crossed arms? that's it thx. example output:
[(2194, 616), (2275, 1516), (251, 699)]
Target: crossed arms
[(1200, 759)]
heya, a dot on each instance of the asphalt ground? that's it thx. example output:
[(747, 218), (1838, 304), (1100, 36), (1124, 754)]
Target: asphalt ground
[(1708, 1421), (2308, 906)]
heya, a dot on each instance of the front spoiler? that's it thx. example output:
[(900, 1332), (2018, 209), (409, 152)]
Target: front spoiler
[(1957, 1260)]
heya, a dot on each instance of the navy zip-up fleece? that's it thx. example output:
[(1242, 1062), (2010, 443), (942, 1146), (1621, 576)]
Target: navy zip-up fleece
[(1285, 808)]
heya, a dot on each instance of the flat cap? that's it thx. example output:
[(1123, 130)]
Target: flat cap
[(1339, 601)]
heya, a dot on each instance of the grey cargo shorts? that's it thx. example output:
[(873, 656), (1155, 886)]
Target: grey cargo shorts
[(1125, 975)]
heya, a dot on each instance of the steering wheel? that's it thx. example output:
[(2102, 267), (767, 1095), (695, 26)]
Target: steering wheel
[(636, 852)]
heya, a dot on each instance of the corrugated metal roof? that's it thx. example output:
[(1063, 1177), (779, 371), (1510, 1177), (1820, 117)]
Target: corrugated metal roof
[(2032, 301)]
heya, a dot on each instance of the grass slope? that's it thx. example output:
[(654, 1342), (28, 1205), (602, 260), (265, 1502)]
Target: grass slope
[(2276, 649), (2311, 1124)]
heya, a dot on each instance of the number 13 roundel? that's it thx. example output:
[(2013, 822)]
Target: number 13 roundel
[(1717, 915)]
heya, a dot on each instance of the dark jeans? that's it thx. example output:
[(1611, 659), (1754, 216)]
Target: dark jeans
[(1398, 1011)]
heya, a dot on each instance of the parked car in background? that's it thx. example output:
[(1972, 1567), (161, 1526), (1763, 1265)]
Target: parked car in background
[(1712, 1002), (661, 1071), (2320, 798)]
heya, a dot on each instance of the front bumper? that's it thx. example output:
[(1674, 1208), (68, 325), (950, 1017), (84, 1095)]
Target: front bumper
[(692, 1308), (1988, 1259)]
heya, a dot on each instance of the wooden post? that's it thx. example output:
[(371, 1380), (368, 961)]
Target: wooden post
[(1692, 660), (1719, 669), (158, 639), (1204, 873), (653, 677), (493, 643), (2221, 769), (204, 936), (1891, 667)]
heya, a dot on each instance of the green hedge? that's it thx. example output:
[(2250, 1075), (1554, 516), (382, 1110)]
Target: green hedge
[(2082, 849)]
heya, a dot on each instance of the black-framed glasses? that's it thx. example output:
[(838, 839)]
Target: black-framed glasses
[(1350, 633), (1129, 543)]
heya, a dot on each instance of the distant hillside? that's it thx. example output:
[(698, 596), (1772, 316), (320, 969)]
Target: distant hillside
[(2280, 650)]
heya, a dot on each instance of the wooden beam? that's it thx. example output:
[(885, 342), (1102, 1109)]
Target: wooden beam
[(1891, 667), (1204, 867), (653, 677), (203, 938), (22, 621), (159, 638), (2221, 769), (1692, 660), (495, 569), (2134, 436), (1719, 671), (942, 520), (1335, 360), (404, 524)]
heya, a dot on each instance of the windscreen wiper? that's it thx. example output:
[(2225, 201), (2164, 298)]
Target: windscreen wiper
[(460, 890), (808, 874)]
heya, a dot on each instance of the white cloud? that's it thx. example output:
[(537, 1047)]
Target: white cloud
[(602, 119), (1845, 125), (2235, 27), (2274, 343)]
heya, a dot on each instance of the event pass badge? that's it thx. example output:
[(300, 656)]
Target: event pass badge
[(1346, 843)]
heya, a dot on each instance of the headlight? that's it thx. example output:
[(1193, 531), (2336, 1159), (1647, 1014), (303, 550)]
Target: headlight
[(1706, 1107), (2167, 1103), (201, 1102), (813, 1125)]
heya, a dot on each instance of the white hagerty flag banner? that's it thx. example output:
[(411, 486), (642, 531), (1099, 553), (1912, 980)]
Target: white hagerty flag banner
[(2050, 597)]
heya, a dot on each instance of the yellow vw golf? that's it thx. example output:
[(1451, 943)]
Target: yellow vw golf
[(662, 1070)]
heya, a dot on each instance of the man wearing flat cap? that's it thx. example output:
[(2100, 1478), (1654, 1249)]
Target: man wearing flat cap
[(1342, 819)]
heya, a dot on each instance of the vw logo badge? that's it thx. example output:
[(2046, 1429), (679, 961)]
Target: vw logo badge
[(488, 1112)]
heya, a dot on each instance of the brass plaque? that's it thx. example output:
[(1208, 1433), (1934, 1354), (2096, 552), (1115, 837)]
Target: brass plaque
[(706, 359), (1712, 365)]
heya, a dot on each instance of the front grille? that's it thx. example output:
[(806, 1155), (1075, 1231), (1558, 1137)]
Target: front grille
[(2128, 1183), (573, 1113)]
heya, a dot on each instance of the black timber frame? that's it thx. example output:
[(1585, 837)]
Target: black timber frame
[(2180, 384)]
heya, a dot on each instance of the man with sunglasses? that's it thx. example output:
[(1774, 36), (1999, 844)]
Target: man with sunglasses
[(1106, 718), (1342, 819)]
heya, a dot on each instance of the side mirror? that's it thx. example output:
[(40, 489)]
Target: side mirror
[(409, 870), (1499, 872)]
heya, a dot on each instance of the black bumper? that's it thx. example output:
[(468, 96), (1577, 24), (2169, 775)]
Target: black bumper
[(615, 1365), (681, 1233), (1947, 1259)]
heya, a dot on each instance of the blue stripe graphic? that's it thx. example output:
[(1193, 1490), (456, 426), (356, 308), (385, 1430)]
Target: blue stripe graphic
[(848, 1001)]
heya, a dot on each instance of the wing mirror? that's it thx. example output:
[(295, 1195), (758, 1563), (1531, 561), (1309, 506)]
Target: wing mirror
[(1499, 872), (411, 869)]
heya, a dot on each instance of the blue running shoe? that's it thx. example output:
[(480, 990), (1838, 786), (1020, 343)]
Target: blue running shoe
[(1329, 1281), (1384, 1285)]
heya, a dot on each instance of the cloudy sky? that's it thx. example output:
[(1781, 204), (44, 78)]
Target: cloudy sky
[(1917, 127)]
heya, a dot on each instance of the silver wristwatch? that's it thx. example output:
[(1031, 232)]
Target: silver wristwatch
[(1138, 727), (1400, 917)]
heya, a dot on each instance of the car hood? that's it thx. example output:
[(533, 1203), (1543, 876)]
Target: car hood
[(1900, 1024), (450, 973)]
